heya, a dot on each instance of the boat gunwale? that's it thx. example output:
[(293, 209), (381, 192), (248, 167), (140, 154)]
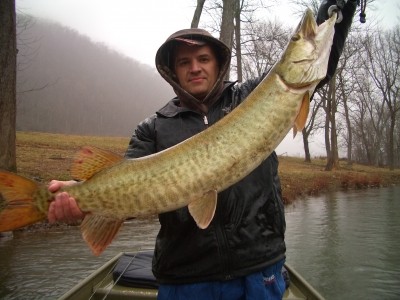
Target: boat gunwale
[(298, 289)]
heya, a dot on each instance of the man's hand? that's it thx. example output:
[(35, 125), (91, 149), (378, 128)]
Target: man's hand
[(64, 208)]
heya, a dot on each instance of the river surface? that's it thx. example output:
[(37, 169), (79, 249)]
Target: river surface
[(347, 245)]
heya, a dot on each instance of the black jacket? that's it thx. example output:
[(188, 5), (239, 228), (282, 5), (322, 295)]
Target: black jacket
[(247, 232)]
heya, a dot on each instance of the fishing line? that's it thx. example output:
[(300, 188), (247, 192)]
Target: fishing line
[(122, 273), (116, 281)]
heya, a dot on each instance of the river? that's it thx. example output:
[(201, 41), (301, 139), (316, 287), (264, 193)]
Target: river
[(347, 245)]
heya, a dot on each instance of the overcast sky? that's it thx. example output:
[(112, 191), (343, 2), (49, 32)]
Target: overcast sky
[(137, 28)]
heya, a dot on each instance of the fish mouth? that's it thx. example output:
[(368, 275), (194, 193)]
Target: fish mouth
[(302, 61), (298, 87)]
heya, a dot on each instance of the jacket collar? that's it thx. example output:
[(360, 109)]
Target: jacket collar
[(173, 108)]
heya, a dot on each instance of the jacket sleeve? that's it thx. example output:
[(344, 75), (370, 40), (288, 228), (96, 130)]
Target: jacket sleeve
[(143, 141), (341, 32), (242, 90)]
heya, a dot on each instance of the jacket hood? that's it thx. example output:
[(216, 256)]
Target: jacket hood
[(165, 64)]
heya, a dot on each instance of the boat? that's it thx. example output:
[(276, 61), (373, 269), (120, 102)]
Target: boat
[(128, 276)]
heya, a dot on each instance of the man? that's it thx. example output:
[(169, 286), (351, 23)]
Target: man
[(241, 254)]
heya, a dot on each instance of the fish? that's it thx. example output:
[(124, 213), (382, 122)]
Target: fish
[(191, 173)]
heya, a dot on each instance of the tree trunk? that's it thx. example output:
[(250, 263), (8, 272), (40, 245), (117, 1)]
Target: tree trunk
[(391, 141), (8, 75), (333, 158), (197, 14), (238, 42), (306, 146), (227, 26), (327, 108)]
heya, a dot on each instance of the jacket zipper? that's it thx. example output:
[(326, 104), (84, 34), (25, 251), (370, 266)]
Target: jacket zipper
[(205, 120), (222, 239), (223, 245)]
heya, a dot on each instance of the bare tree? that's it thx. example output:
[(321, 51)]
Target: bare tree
[(227, 24), (8, 75), (368, 117), (263, 44), (197, 14), (346, 75), (383, 52), (330, 110), (238, 37), (313, 125), (227, 18)]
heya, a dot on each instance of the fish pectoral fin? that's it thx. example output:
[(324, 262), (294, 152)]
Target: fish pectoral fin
[(90, 160), (203, 209), (301, 118), (99, 231)]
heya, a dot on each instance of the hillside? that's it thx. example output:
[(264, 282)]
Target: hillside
[(69, 84)]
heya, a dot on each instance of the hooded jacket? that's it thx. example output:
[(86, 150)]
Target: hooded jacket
[(247, 232)]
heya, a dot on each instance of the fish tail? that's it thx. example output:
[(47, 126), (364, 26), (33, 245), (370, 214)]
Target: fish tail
[(17, 205)]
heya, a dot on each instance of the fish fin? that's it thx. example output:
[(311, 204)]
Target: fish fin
[(203, 209), (309, 27), (99, 231), (90, 160), (301, 118), (17, 207)]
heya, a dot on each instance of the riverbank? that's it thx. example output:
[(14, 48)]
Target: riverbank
[(44, 156), (300, 179)]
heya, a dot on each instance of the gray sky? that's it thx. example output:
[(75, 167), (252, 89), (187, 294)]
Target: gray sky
[(138, 28)]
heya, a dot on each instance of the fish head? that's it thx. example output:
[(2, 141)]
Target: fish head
[(305, 60)]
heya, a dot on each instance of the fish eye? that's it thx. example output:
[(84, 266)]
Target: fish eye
[(295, 37)]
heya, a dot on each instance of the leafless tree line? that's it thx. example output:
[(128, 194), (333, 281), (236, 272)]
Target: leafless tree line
[(357, 111)]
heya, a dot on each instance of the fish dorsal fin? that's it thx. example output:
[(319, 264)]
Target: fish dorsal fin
[(99, 231), (203, 209), (301, 118), (90, 160)]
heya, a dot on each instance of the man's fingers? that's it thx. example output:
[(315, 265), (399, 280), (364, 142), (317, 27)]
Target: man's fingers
[(51, 215), (59, 210), (64, 208), (73, 209), (55, 185)]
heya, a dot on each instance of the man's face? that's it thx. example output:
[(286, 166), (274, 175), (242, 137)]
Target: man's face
[(196, 68)]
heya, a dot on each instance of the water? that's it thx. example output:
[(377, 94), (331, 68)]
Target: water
[(44, 265), (347, 245)]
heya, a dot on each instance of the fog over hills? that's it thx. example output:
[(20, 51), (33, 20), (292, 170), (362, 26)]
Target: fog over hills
[(66, 83)]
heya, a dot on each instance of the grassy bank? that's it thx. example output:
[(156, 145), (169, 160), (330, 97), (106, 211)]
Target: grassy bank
[(44, 156)]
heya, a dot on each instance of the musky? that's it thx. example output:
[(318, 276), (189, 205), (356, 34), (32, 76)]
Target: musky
[(138, 28)]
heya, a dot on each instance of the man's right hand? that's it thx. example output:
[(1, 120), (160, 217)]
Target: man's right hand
[(64, 207)]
